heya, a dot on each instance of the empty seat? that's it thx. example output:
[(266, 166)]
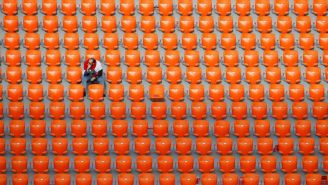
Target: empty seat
[(69, 22), (9, 7), (54, 74), (96, 92), (15, 92), (71, 41), (32, 41), (16, 110), (30, 7), (88, 7), (62, 178), (118, 110), (10, 23), (13, 57), (107, 7), (284, 24), (123, 164), (103, 163), (12, 40), (119, 128), (77, 110), (104, 178), (108, 24), (60, 145), (99, 128), (57, 110), (52, 57), (73, 74), (126, 7), (82, 164), (206, 24), (281, 7), (49, 7)]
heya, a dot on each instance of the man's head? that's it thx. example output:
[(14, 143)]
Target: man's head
[(91, 61)]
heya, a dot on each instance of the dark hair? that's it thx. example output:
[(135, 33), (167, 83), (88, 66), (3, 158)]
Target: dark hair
[(92, 60)]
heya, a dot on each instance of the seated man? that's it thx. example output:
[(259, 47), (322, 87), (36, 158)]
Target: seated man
[(92, 74)]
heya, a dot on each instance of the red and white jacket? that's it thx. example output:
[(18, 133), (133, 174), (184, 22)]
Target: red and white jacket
[(96, 66)]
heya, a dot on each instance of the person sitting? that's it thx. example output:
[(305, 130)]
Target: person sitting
[(92, 74)]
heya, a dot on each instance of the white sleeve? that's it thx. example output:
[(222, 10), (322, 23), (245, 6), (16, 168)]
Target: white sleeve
[(98, 66)]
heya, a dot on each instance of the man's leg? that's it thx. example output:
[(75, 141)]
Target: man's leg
[(85, 84), (102, 81)]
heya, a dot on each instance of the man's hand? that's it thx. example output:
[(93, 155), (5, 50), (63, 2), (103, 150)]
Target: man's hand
[(91, 80)]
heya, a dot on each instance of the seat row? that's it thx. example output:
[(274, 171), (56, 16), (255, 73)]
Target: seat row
[(175, 92), (165, 179), (164, 164), (158, 110), (166, 24), (174, 75), (171, 58), (165, 146), (184, 7), (163, 128), (169, 41)]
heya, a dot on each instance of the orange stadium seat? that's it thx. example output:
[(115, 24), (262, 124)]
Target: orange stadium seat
[(49, 7), (228, 41), (15, 92), (112, 57), (243, 7), (68, 7), (120, 128), (42, 178), (108, 24), (127, 7), (123, 163), (61, 164), (10, 23), (99, 128), (281, 7), (30, 23), (204, 7), (12, 40), (163, 147), (233, 75), (89, 24), (116, 92), (107, 7), (19, 164), (230, 58), (262, 7), (301, 7), (206, 24), (264, 24), (125, 178), (55, 92), (245, 24), (110, 41), (17, 128), (225, 24), (310, 58), (102, 163), (13, 58), (284, 24), (16, 110), (138, 110), (30, 7), (146, 7), (96, 92), (81, 164), (10, 7), (88, 7), (148, 24), (69, 23)]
